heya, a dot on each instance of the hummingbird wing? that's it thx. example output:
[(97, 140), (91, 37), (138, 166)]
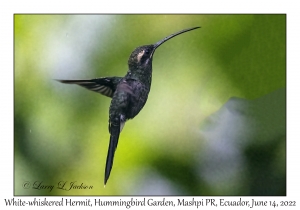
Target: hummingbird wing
[(104, 85)]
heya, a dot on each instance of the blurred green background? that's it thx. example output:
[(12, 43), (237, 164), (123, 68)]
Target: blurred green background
[(214, 122)]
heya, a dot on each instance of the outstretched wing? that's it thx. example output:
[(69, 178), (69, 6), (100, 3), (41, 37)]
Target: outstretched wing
[(104, 85)]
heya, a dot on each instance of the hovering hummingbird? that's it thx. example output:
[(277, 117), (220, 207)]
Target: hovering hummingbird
[(129, 93)]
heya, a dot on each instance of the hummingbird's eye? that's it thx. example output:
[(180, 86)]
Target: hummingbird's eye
[(143, 55)]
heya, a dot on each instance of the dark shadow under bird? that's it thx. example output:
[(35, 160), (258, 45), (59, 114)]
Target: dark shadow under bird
[(129, 93)]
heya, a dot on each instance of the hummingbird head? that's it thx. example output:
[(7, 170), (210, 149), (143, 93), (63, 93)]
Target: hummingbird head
[(141, 57)]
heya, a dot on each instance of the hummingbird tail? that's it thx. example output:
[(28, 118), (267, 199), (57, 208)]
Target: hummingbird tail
[(114, 129)]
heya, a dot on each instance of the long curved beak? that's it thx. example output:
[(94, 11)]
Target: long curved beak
[(157, 44)]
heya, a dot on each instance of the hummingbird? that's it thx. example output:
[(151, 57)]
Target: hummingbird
[(129, 93)]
